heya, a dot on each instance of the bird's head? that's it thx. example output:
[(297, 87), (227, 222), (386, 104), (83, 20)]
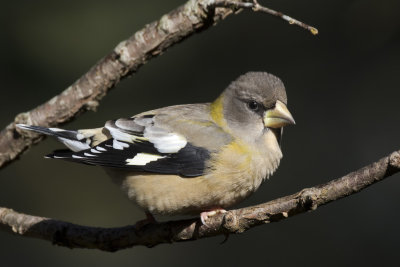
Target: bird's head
[(252, 104)]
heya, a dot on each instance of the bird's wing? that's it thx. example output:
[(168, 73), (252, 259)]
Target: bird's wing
[(153, 142)]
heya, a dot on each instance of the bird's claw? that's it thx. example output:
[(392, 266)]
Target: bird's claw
[(206, 214)]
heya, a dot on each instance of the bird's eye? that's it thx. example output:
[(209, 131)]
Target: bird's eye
[(253, 105)]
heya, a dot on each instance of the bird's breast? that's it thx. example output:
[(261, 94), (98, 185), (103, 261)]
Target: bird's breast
[(239, 169)]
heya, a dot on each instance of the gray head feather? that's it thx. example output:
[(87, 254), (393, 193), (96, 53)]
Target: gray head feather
[(261, 86)]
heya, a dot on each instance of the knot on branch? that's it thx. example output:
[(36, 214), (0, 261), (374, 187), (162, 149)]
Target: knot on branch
[(393, 163), (92, 105), (3, 213), (307, 199), (394, 160)]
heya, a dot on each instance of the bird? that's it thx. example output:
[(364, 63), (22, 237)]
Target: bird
[(189, 159)]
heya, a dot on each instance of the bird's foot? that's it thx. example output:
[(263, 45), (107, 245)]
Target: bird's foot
[(149, 220), (206, 214)]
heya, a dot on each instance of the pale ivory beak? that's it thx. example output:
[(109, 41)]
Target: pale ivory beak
[(278, 117)]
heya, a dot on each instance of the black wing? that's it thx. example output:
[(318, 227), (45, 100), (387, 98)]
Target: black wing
[(141, 156)]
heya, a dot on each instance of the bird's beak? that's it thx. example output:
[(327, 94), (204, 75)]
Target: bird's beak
[(278, 117)]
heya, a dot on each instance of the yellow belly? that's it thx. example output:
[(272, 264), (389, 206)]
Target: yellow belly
[(233, 176), (173, 195)]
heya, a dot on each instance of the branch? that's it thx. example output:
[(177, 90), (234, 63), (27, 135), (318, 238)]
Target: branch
[(255, 6), (125, 59), (233, 222)]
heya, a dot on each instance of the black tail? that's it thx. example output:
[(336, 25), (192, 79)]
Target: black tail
[(72, 139)]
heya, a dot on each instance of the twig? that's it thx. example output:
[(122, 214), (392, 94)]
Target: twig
[(255, 6), (126, 58), (233, 222)]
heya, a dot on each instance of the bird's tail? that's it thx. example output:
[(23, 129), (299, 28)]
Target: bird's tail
[(74, 140)]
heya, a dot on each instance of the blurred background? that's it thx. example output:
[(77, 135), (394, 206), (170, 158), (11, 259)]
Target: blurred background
[(343, 90)]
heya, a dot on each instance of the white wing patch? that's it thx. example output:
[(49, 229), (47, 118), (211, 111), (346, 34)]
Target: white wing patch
[(142, 159), (170, 143), (164, 141)]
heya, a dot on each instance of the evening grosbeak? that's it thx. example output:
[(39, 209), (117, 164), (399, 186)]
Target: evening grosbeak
[(189, 159)]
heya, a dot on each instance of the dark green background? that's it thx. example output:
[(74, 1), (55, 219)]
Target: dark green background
[(343, 92)]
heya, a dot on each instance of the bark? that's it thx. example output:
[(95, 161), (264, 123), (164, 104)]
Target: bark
[(233, 222)]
